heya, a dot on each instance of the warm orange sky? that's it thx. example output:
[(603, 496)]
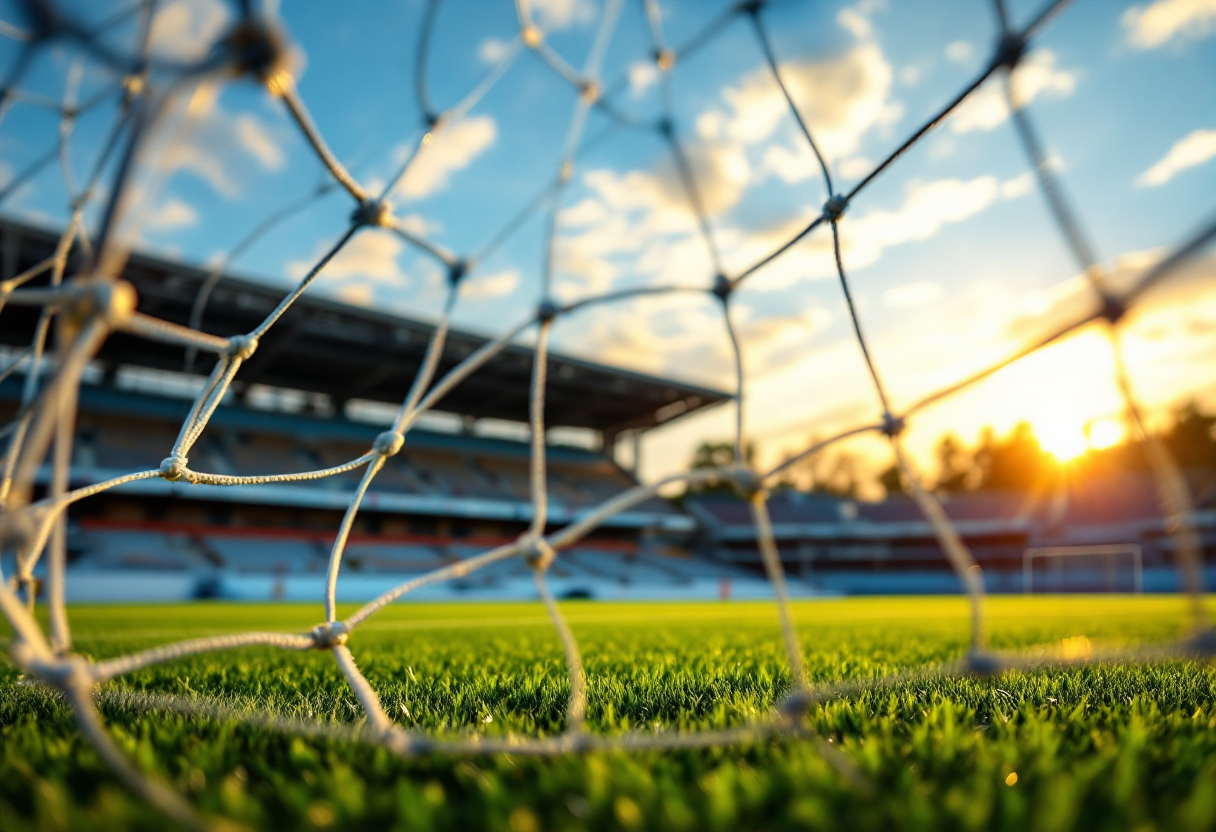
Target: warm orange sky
[(1170, 346)]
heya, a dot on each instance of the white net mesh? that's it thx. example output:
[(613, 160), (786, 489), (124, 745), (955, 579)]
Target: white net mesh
[(85, 308)]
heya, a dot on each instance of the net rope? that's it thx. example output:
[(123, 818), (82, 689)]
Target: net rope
[(85, 308)]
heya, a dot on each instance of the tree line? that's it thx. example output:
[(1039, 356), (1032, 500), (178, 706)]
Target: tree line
[(1013, 462)]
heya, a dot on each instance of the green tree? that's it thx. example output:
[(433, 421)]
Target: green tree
[(717, 455), (954, 464), (1014, 463), (1189, 439), (892, 481)]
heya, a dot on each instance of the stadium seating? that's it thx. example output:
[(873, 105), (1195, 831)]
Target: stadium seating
[(250, 444), (137, 549), (275, 555)]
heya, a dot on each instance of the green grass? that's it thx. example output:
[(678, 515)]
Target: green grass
[(1112, 747)]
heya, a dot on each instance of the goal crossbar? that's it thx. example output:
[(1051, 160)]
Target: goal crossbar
[(1029, 556)]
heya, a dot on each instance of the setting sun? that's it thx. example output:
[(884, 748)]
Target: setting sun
[(1104, 433), (1066, 437), (1062, 437)]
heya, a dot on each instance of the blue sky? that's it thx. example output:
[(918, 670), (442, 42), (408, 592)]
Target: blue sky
[(952, 253)]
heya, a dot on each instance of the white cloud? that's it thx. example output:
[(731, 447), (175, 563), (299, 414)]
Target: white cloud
[(927, 207), (909, 76), (665, 335), (371, 255), (1019, 185), (911, 295), (185, 30), (452, 149), (562, 14), (1036, 75), (1193, 149), (491, 50), (216, 146), (840, 98), (959, 51), (1159, 22), (771, 341), (356, 293), (420, 226), (496, 285), (721, 173), (585, 212), (855, 167), (857, 24), (254, 138), (635, 226), (642, 76), (171, 215)]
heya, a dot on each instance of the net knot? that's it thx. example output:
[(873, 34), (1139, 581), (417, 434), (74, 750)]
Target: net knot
[(173, 467), (242, 346), (835, 207), (664, 59), (65, 673), (17, 530), (112, 301), (892, 425), (542, 553), (256, 48), (1009, 50), (589, 91), (723, 286), (796, 705), (531, 35), (750, 6), (982, 664), (374, 212), (747, 483), (547, 311), (133, 87), (1113, 309), (665, 127), (389, 443), (457, 270), (329, 635)]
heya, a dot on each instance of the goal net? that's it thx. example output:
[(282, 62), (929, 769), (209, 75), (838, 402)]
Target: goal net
[(153, 97), (1102, 568)]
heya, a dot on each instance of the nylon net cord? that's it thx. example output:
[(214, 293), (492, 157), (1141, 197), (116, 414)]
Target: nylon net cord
[(84, 309)]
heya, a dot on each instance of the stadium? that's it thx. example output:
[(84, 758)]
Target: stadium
[(607, 414), (446, 496), (457, 492)]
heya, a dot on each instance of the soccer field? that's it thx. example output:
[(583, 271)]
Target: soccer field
[(1107, 747)]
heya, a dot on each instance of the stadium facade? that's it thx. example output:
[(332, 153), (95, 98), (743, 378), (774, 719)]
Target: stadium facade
[(1107, 534), (311, 398)]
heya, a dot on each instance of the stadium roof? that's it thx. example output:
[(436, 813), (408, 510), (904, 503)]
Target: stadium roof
[(347, 352)]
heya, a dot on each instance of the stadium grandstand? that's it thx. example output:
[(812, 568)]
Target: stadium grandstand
[(311, 398), (328, 378), (1108, 534)]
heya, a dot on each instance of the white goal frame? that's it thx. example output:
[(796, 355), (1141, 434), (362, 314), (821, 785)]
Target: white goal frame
[(1029, 556)]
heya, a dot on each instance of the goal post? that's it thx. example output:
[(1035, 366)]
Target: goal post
[(1107, 555)]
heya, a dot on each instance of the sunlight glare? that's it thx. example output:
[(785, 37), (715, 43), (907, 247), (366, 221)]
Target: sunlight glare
[(1104, 433), (1062, 437)]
